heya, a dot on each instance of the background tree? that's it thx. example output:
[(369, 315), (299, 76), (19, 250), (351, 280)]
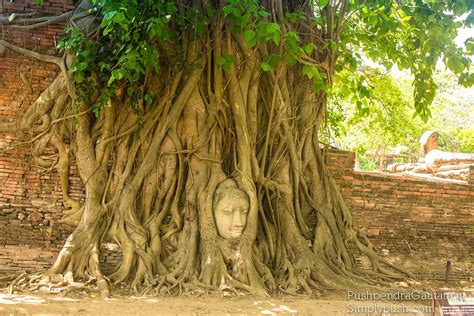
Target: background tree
[(451, 113), (388, 124), (160, 101), (384, 124)]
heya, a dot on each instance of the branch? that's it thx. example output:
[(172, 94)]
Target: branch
[(340, 18), (59, 61), (41, 21), (32, 54), (102, 150), (49, 20), (37, 109), (13, 16), (350, 14)]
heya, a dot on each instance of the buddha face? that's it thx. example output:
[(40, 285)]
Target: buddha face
[(230, 214)]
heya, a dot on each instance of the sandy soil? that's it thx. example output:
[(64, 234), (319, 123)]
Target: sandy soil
[(333, 304)]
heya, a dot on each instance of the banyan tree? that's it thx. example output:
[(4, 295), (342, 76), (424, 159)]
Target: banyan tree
[(194, 127)]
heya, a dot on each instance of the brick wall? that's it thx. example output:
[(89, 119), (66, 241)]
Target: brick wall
[(418, 224), (470, 179), (30, 198), (341, 165), (14, 92)]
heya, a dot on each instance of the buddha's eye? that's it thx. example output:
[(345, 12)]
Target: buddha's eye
[(227, 210), (245, 211)]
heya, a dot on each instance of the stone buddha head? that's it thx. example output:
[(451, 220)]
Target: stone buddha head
[(230, 207)]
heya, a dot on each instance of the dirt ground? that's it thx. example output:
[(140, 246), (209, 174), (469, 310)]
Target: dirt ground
[(331, 304)]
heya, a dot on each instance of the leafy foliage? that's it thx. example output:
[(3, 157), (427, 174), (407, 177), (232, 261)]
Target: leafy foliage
[(377, 124), (414, 36), (388, 122), (409, 34)]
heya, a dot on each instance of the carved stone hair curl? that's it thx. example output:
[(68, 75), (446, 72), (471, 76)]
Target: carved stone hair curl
[(228, 188)]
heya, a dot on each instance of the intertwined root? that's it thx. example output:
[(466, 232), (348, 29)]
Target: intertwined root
[(54, 284), (150, 170)]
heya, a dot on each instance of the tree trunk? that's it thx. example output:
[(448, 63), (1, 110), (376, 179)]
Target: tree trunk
[(152, 172)]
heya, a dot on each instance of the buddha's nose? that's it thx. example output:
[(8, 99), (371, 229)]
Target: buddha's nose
[(239, 219)]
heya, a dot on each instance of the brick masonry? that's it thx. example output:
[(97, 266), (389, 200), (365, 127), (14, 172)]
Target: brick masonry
[(418, 224), (30, 198)]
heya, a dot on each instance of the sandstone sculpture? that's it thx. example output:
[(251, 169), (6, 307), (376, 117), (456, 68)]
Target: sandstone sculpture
[(436, 163), (230, 206)]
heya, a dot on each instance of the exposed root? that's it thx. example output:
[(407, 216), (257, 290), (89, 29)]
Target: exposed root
[(152, 152), (19, 279), (53, 284)]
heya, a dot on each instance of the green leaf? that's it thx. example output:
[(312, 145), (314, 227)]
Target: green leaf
[(290, 59), (466, 80), (231, 10), (104, 66), (373, 19), (79, 66), (319, 84), (272, 60), (226, 62), (362, 109), (293, 17), (311, 72), (121, 20), (469, 44), (250, 38), (292, 36), (276, 38), (455, 65), (272, 27), (264, 14), (117, 74), (309, 48), (148, 98), (268, 31), (265, 66), (221, 62), (322, 3), (108, 29), (79, 77)]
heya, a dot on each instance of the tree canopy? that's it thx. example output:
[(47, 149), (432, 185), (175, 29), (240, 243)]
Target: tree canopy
[(413, 35)]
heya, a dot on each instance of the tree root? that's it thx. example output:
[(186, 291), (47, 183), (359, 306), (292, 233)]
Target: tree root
[(150, 172), (54, 284)]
